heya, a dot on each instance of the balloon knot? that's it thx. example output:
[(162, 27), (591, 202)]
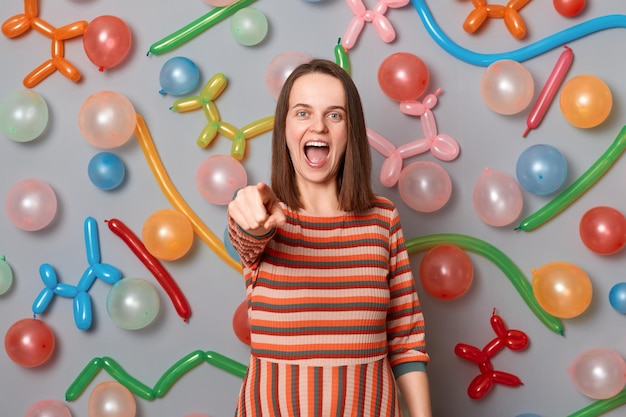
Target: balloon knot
[(101, 69)]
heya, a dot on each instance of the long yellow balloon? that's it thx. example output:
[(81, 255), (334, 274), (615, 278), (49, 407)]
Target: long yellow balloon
[(160, 174)]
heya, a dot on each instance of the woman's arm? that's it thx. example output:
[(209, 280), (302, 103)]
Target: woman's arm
[(415, 391)]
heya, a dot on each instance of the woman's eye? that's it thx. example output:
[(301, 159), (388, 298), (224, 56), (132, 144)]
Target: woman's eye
[(335, 116), (302, 113)]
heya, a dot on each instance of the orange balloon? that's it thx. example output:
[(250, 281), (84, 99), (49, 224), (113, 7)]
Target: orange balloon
[(167, 234), (562, 289), (586, 101)]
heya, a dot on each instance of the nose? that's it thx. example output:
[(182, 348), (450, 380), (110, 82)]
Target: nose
[(318, 124)]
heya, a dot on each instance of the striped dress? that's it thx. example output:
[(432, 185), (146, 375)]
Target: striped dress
[(334, 315)]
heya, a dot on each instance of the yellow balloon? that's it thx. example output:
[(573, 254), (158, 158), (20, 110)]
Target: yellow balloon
[(562, 289), (586, 101), (167, 234)]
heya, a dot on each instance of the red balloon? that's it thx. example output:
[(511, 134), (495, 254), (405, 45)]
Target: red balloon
[(403, 76), (29, 342), (603, 230), (241, 324), (569, 8), (480, 386), (107, 41), (446, 272)]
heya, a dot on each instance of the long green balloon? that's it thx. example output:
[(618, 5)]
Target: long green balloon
[(196, 27), (601, 406), (578, 187), (496, 256)]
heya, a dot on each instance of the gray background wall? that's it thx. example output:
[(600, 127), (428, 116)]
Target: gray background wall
[(213, 289)]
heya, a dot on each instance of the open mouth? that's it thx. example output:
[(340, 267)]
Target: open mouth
[(316, 152)]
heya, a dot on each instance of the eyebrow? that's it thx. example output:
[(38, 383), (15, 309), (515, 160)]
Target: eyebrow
[(308, 106)]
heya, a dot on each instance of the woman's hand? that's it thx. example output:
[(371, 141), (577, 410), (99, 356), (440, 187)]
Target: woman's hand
[(256, 210)]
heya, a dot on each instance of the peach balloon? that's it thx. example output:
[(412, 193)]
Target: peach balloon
[(507, 87), (107, 119), (586, 101), (111, 399), (167, 234), (562, 289)]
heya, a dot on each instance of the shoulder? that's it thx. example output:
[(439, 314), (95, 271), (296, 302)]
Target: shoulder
[(383, 204)]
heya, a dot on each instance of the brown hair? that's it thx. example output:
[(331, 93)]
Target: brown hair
[(353, 178)]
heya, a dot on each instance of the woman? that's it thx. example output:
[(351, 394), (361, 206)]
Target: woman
[(334, 315)]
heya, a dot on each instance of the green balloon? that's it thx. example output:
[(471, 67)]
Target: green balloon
[(23, 116), (248, 26), (6, 276)]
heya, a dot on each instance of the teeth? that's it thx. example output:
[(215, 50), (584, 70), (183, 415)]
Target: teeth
[(317, 144)]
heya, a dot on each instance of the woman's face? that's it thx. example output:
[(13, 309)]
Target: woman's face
[(316, 129)]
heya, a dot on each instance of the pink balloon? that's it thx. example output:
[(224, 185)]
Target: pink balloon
[(48, 408), (107, 119), (31, 204), (107, 41), (403, 76), (279, 69), (446, 272), (218, 177), (424, 186), (507, 87), (498, 199), (598, 373), (111, 399)]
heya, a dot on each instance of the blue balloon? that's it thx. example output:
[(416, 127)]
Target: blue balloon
[(106, 170), (617, 297), (541, 169), (179, 76)]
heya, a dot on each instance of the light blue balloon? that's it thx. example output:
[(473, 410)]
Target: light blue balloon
[(541, 169), (106, 170), (82, 307), (179, 76), (617, 297)]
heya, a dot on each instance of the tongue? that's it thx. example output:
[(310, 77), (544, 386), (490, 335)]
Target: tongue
[(316, 155)]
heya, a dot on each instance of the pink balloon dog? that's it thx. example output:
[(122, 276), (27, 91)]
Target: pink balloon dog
[(381, 24)]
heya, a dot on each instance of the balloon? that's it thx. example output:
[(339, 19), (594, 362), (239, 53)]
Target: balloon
[(133, 303), (154, 266), (617, 297), (377, 17), (586, 101), (48, 408), (424, 186), (598, 373), (31, 204), (549, 89), (218, 177), (569, 8), (341, 56), (280, 67), (507, 87), (29, 342), (446, 272), (500, 259), (403, 76), (111, 399), (509, 12), (106, 119), (603, 230), (132, 384), (497, 198), (198, 26), (578, 187), (107, 41), (167, 234), (219, 3), (106, 170), (179, 76), (248, 26), (23, 116), (176, 200), (6, 275), (241, 323), (562, 289), (541, 169)]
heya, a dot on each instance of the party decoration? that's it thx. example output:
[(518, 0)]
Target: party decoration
[(96, 270), (578, 187), (598, 373), (248, 26), (509, 12), (48, 408), (219, 3), (173, 374), (507, 87), (499, 258), (106, 119), (155, 267), (6, 275), (562, 289), (218, 177), (106, 170), (549, 89), (424, 186), (167, 234), (569, 8), (403, 76), (280, 67), (241, 323), (133, 303), (211, 90), (341, 57), (107, 40), (29, 342), (513, 339), (111, 399), (31, 204), (541, 169), (586, 101), (23, 116), (602, 229), (617, 297), (178, 76), (601, 406), (197, 27), (376, 17), (497, 198), (446, 272)]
